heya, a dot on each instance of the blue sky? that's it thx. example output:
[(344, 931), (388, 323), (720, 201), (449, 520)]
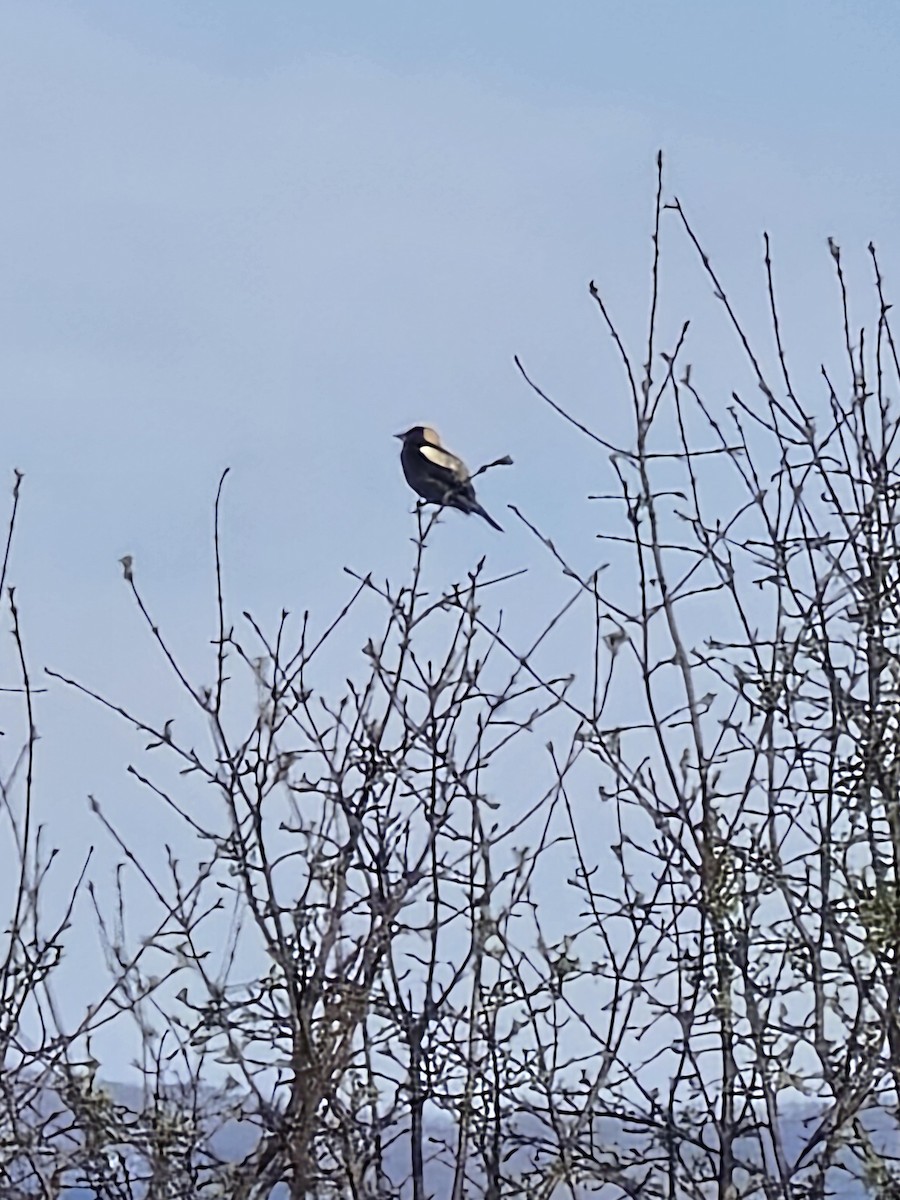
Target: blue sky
[(269, 236)]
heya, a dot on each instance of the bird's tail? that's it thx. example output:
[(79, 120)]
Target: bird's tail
[(490, 520)]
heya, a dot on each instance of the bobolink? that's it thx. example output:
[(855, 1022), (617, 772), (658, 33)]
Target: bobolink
[(437, 475)]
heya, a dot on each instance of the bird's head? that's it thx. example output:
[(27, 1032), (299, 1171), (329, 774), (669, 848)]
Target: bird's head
[(419, 435)]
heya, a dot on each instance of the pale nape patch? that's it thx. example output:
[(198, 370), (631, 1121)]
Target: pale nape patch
[(431, 436)]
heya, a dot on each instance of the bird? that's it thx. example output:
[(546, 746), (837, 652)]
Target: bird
[(437, 475)]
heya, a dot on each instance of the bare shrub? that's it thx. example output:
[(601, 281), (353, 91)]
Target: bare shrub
[(469, 925)]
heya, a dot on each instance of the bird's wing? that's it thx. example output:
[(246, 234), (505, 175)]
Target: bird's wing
[(446, 461)]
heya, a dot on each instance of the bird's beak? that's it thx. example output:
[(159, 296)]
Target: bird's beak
[(401, 436)]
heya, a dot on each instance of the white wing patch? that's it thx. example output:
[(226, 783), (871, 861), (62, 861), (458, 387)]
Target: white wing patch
[(443, 458)]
